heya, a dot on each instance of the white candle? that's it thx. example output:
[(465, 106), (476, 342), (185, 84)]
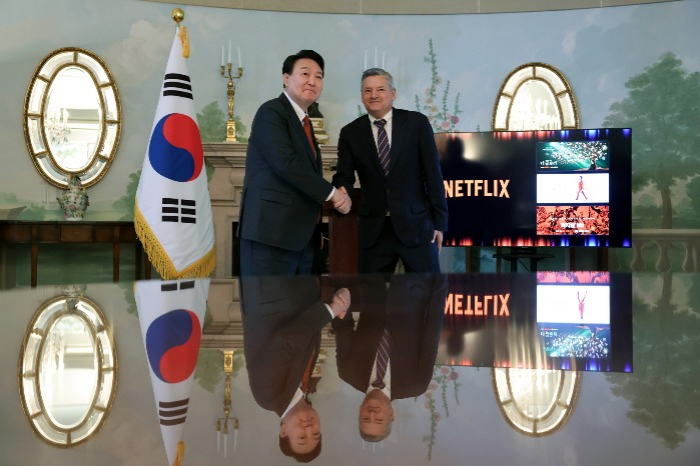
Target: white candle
[(229, 51), (365, 65), (225, 441), (375, 56), (383, 59), (218, 433), (222, 54), (240, 62), (235, 438)]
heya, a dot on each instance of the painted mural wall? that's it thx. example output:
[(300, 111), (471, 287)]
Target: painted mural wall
[(628, 66)]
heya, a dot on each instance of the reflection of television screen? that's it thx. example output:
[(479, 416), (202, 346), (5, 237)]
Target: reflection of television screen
[(538, 188), (575, 320), (574, 315)]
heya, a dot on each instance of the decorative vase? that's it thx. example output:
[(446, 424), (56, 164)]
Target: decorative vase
[(74, 201)]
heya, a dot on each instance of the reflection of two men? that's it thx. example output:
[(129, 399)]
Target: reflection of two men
[(389, 353), (282, 322)]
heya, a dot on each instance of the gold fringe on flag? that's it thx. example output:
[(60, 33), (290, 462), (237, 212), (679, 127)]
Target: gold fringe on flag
[(180, 454), (160, 260), (185, 42)]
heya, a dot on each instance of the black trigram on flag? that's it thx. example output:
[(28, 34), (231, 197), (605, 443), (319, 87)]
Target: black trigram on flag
[(173, 286), (177, 85), (172, 413), (179, 210)]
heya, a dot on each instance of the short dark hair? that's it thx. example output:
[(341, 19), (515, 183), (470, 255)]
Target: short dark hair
[(288, 65), (286, 448)]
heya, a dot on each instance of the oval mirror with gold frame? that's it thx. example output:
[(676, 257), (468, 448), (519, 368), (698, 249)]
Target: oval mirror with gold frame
[(72, 117), (67, 371), (535, 96), (536, 402)]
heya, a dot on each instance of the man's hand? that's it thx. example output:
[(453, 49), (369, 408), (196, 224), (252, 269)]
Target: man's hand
[(341, 201), (437, 236), (340, 303)]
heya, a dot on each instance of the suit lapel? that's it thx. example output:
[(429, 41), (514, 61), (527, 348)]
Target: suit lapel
[(399, 133), (298, 129)]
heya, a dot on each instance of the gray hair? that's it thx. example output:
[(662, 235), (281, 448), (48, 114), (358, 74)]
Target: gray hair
[(378, 72)]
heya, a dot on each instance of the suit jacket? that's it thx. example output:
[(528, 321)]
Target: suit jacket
[(413, 193), (284, 188), (412, 310), (282, 322)]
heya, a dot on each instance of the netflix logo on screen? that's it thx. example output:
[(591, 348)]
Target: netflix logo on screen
[(538, 188)]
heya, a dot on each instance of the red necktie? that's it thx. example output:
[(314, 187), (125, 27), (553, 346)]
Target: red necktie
[(309, 131), (307, 374)]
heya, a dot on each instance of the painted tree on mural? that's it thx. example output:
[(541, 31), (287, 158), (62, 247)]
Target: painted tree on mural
[(212, 124), (662, 390), (663, 110)]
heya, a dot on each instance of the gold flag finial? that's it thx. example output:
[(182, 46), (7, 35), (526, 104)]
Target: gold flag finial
[(180, 454), (177, 15)]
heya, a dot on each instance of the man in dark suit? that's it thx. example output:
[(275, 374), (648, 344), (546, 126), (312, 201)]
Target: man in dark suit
[(407, 313), (284, 188), (282, 322), (403, 211)]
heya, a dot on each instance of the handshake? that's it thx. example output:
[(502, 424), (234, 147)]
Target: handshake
[(341, 201), (340, 303)]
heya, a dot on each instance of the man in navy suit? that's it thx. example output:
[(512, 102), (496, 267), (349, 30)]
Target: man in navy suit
[(403, 211), (284, 188), (407, 311), (282, 322)]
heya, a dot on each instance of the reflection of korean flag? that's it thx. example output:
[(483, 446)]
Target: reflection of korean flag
[(172, 212), (171, 316)]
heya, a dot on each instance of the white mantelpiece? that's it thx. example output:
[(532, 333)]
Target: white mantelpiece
[(225, 189)]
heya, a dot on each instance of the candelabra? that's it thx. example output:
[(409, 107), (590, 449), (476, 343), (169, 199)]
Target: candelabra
[(222, 423), (57, 126), (231, 94)]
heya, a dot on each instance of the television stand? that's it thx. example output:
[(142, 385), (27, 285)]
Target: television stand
[(518, 252)]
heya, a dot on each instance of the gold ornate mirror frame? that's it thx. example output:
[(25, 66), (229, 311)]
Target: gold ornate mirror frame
[(535, 96), (72, 117), (67, 341), (535, 402)]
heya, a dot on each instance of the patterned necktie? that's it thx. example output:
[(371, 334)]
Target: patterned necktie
[(308, 131), (383, 147), (382, 360)]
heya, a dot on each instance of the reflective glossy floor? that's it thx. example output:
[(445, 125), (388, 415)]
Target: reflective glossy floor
[(485, 369)]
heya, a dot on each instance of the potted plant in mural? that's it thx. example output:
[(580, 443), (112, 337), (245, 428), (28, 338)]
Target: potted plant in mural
[(443, 376), (439, 116)]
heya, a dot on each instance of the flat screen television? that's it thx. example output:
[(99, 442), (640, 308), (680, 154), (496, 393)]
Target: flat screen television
[(538, 188)]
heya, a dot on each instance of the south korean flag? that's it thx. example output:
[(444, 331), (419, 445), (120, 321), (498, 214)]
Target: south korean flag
[(171, 314), (172, 213)]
